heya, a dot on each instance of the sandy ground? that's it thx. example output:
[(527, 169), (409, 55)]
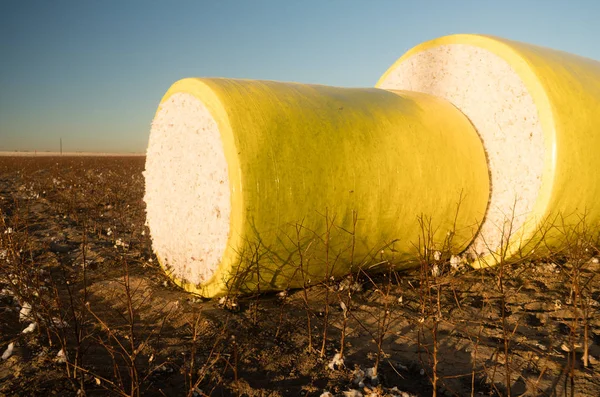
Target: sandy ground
[(76, 261)]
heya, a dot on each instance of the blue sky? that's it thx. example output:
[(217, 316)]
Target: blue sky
[(93, 72)]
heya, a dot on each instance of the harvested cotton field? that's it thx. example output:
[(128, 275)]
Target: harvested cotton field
[(87, 310)]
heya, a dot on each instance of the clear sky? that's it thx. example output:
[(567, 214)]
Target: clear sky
[(93, 72)]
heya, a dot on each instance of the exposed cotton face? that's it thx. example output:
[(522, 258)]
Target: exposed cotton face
[(187, 189)]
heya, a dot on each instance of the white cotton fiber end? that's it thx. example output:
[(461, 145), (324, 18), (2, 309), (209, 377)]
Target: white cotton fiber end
[(187, 189)]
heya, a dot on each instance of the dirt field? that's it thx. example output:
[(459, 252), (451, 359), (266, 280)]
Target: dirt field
[(86, 310)]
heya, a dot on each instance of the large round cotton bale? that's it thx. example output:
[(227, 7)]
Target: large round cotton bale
[(537, 112), (257, 185)]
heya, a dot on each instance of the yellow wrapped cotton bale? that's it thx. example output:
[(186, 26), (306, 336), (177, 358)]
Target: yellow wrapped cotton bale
[(258, 185), (537, 112)]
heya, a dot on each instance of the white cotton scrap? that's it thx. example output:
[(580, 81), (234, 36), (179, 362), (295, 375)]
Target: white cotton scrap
[(337, 362), (455, 261), (371, 373), (25, 313), (30, 328), (58, 323), (61, 356), (326, 394), (399, 393), (9, 351), (353, 393)]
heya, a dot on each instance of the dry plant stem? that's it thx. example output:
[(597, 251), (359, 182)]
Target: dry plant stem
[(303, 264), (430, 306), (383, 323), (133, 370), (474, 360), (190, 373), (347, 302), (328, 275), (502, 267), (127, 351), (383, 317), (258, 281), (213, 357), (579, 248), (505, 336)]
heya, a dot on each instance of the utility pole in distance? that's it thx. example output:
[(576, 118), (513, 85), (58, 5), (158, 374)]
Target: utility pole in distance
[(61, 146)]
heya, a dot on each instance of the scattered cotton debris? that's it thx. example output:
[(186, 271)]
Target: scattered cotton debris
[(455, 261), (353, 393), (25, 313), (30, 328), (9, 351), (61, 357), (399, 393), (337, 362), (350, 284), (59, 323), (435, 271), (109, 232), (121, 243), (164, 368), (557, 304), (8, 230), (326, 394), (359, 377), (437, 255), (567, 348), (540, 346), (229, 303), (595, 260), (371, 373)]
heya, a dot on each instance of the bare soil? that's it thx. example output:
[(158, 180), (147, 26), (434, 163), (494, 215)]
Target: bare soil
[(74, 248)]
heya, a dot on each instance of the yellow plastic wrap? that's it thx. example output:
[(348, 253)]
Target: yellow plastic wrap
[(566, 92), (325, 179)]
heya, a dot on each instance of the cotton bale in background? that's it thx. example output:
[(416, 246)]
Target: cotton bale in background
[(537, 112)]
